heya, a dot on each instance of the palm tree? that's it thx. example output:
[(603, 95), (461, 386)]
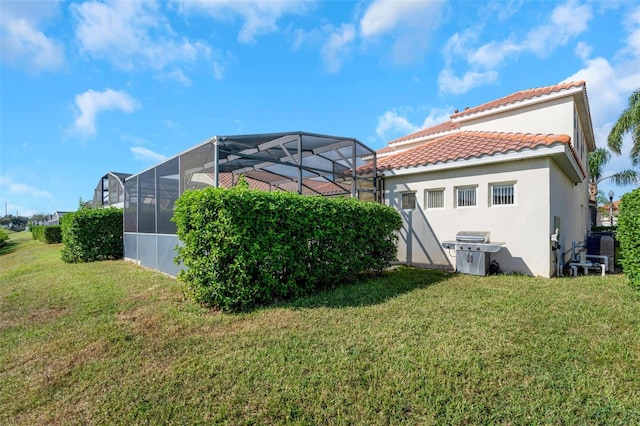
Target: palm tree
[(629, 121), (597, 160)]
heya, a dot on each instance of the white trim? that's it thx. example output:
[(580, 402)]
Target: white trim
[(423, 138), (427, 191), (456, 196), (493, 185)]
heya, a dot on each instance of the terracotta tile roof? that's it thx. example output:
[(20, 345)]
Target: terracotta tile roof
[(519, 97), (262, 179), (385, 150), (466, 145), (433, 130)]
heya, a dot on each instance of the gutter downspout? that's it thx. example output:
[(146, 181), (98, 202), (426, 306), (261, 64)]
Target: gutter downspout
[(214, 141)]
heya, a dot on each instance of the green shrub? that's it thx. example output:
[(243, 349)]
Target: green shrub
[(611, 229), (243, 248), (37, 232), (51, 234), (90, 235), (628, 234), (4, 237)]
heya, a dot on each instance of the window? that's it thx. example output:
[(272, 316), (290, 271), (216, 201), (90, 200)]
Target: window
[(502, 194), (409, 200), (466, 196), (434, 198)]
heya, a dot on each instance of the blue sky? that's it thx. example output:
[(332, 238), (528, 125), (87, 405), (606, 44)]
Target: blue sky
[(92, 87)]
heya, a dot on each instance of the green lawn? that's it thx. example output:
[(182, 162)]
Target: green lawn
[(111, 343)]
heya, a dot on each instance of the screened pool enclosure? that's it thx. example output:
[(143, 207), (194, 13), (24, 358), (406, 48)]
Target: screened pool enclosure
[(110, 190), (306, 163)]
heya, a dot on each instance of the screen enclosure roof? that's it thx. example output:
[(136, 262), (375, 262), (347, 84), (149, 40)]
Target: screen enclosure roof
[(302, 162)]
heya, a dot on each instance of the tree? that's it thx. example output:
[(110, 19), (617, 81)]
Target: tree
[(597, 160), (629, 121)]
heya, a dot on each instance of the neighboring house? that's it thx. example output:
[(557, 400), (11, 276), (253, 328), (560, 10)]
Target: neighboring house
[(516, 167), (51, 219), (110, 190), (607, 212)]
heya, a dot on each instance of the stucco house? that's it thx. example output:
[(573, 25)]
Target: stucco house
[(515, 167), (53, 218)]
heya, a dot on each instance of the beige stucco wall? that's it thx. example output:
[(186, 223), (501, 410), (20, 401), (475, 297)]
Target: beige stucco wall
[(571, 204), (554, 116), (524, 227)]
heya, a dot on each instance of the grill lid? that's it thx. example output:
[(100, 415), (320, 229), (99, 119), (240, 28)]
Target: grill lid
[(473, 236)]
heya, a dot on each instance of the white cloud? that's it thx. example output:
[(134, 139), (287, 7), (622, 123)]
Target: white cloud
[(134, 35), (390, 124), (582, 50), (448, 82), (395, 123), (91, 103), (565, 22), (611, 81), (337, 47), (459, 45), (144, 154), (383, 16), (218, 70), (172, 124), (603, 88), (609, 84), (23, 44), (410, 22), (24, 189), (179, 76), (437, 116), (633, 25), (493, 53), (15, 194), (259, 17)]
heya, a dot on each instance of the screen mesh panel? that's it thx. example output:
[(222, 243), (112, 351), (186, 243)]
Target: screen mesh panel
[(147, 202), (168, 190), (131, 205)]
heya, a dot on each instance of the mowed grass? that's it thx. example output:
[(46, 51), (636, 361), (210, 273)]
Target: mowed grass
[(111, 343)]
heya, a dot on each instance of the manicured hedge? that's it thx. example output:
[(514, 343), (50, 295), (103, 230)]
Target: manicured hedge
[(244, 248), (37, 232), (92, 234), (51, 234), (628, 233), (4, 237)]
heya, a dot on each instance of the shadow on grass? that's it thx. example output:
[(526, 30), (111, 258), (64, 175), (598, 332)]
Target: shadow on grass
[(372, 291), (9, 247)]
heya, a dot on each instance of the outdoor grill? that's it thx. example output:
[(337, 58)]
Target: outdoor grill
[(473, 250)]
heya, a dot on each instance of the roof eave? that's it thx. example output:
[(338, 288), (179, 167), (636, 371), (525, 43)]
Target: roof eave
[(582, 100), (560, 153)]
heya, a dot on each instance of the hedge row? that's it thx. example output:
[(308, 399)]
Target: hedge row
[(628, 233), (244, 248), (4, 237), (50, 234), (92, 234)]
